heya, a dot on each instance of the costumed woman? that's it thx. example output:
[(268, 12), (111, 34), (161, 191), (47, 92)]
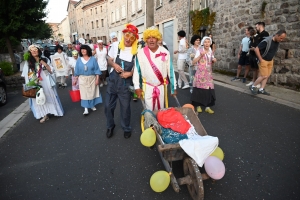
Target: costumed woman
[(101, 53), (203, 94), (39, 68), (72, 64), (62, 72), (152, 71), (87, 72), (191, 52)]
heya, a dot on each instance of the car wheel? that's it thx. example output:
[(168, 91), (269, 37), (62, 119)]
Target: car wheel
[(3, 95)]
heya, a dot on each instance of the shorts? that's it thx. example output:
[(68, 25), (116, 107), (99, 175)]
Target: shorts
[(253, 61), (180, 64), (244, 59), (265, 67)]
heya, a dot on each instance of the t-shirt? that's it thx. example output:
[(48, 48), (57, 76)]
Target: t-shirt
[(261, 36), (182, 49), (124, 54), (272, 51), (245, 44)]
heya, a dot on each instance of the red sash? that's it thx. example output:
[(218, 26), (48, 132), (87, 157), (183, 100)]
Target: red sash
[(156, 71)]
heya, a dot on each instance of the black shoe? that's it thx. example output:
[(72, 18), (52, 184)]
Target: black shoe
[(263, 92), (253, 90), (109, 132), (244, 80), (59, 85), (127, 134)]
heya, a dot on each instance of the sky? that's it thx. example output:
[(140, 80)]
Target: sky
[(57, 10)]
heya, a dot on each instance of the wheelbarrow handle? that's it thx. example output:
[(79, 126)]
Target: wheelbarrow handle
[(177, 102)]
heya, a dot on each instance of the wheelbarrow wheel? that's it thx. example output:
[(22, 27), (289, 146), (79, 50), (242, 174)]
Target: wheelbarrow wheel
[(196, 189)]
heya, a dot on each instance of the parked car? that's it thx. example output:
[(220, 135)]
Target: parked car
[(3, 92), (52, 49)]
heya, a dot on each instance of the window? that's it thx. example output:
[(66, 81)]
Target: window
[(123, 12), (132, 7), (96, 11), (100, 8), (158, 3), (91, 11), (92, 25), (117, 15), (139, 4), (97, 24), (102, 23), (203, 4), (112, 17)]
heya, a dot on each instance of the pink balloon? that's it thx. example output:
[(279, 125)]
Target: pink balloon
[(214, 167)]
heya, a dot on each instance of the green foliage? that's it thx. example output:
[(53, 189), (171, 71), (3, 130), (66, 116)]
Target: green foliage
[(26, 55), (6, 68), (202, 18)]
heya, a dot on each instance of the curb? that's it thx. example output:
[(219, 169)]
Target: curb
[(10, 120)]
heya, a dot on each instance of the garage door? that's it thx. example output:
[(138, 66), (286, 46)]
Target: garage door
[(168, 36)]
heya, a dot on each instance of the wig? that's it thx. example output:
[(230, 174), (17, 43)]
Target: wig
[(134, 49), (205, 38), (152, 32), (87, 48)]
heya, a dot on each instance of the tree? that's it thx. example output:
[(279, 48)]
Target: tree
[(21, 19)]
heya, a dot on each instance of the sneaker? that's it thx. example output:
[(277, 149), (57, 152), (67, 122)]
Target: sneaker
[(253, 90), (210, 111), (94, 109), (244, 80), (86, 112), (263, 91), (235, 79), (251, 83), (101, 85), (185, 86), (179, 86), (199, 109)]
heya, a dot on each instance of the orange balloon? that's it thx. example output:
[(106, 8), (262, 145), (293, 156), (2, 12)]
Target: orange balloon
[(188, 106)]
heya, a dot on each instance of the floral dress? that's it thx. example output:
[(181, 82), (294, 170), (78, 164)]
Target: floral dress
[(203, 85)]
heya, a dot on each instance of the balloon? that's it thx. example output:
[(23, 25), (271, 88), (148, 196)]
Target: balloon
[(214, 167), (188, 106), (148, 137), (160, 181), (218, 153)]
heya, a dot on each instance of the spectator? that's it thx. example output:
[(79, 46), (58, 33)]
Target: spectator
[(242, 56), (69, 50), (265, 52), (213, 45), (182, 49), (261, 33), (47, 53)]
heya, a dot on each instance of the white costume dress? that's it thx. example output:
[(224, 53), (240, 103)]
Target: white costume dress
[(101, 58), (53, 104), (60, 75), (149, 76)]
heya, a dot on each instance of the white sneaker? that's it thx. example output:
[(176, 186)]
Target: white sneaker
[(251, 83), (94, 109), (185, 87), (101, 85), (86, 112)]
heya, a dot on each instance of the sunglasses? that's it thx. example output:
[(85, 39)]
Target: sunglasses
[(33, 49), (129, 36)]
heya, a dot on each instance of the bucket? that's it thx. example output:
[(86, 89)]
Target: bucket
[(75, 95)]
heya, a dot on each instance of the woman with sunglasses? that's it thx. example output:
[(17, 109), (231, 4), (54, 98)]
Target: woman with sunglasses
[(122, 59), (39, 68)]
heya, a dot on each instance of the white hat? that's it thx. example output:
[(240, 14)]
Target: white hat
[(113, 35), (205, 38), (81, 40), (99, 41)]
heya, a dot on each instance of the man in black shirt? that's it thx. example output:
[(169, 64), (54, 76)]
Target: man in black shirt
[(261, 33), (265, 52)]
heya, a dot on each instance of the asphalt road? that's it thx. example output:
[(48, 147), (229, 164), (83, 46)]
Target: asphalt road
[(70, 157)]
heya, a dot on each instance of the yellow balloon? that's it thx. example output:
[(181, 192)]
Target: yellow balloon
[(218, 153), (160, 181), (148, 137)]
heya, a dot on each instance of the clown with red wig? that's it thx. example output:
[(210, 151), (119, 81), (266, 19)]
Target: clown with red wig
[(122, 60)]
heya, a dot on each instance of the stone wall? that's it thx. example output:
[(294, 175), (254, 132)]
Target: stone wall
[(232, 17)]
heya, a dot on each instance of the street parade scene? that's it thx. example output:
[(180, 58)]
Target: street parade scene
[(143, 100)]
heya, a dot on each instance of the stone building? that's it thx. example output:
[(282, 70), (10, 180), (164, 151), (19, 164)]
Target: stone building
[(64, 30), (136, 12), (171, 17), (73, 13), (232, 17)]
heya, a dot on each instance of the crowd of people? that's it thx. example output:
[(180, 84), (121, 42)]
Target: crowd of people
[(147, 67), (256, 52)]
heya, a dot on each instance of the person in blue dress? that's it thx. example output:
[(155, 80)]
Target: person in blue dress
[(87, 71)]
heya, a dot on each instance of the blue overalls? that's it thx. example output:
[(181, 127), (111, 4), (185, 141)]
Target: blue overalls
[(118, 88)]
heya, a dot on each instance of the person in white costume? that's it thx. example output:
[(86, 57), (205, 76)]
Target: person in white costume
[(101, 53), (39, 67), (72, 64), (153, 71), (61, 75)]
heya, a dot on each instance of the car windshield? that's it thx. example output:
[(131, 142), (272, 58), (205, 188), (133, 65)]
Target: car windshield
[(52, 48)]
